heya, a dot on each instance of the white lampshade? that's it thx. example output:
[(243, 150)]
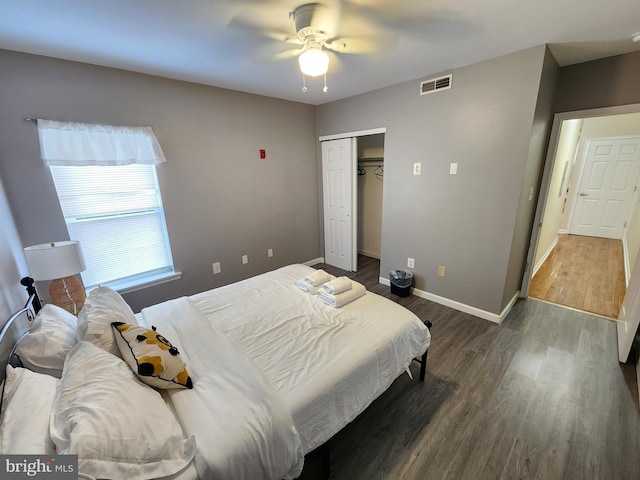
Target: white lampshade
[(53, 260), (314, 62)]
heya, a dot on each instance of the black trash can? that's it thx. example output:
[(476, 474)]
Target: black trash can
[(401, 282)]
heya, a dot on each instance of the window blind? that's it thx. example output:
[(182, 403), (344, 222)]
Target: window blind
[(116, 214)]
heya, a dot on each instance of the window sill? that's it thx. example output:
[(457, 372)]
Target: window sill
[(139, 284)]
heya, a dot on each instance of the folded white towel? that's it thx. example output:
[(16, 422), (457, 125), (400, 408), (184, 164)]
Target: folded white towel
[(307, 287), (356, 291), (339, 285), (317, 278)]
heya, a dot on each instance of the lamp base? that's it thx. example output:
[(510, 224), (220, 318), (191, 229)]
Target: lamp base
[(67, 293)]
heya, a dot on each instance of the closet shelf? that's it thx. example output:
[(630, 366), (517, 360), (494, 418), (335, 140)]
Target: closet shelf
[(370, 159)]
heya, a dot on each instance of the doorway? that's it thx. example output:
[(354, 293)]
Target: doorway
[(352, 173), (577, 157)]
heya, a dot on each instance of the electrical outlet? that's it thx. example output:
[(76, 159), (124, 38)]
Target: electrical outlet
[(411, 262), (417, 168), (270, 252), (441, 271), (245, 259), (216, 268)]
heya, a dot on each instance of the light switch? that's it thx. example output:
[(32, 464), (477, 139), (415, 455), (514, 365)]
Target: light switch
[(453, 169)]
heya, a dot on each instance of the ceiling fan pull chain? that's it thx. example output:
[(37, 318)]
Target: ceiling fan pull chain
[(304, 82), (325, 89)]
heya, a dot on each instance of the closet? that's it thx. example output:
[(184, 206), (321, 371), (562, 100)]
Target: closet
[(370, 180)]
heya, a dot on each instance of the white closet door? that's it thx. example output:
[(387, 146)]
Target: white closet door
[(338, 174)]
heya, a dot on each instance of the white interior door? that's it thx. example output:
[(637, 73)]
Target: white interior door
[(606, 187), (338, 176)]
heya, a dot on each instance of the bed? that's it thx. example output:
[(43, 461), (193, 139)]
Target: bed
[(275, 373)]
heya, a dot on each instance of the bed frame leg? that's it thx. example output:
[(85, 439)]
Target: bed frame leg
[(423, 365), (423, 360)]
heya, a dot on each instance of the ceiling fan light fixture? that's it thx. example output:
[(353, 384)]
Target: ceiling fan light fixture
[(314, 62)]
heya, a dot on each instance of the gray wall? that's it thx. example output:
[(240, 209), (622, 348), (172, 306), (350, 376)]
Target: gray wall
[(540, 131), (607, 82), (221, 201), (465, 222)]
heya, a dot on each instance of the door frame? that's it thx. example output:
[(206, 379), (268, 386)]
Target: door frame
[(625, 328), (550, 160), (354, 190)]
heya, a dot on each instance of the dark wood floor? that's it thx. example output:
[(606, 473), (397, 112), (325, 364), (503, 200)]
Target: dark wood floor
[(582, 272), (541, 396)]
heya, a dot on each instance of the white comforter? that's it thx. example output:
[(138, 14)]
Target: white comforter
[(242, 426), (328, 363)]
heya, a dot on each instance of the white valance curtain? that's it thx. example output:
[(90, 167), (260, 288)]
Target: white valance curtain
[(78, 144)]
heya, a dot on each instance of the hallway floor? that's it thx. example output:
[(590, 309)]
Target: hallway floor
[(586, 273)]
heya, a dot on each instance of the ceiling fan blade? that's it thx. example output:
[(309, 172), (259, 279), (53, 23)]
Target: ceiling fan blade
[(335, 63), (415, 19), (362, 44), (250, 28), (287, 54)]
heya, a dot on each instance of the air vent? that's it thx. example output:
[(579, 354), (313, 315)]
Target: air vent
[(436, 84)]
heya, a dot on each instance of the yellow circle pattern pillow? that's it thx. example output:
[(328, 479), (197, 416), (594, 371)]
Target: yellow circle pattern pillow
[(151, 356)]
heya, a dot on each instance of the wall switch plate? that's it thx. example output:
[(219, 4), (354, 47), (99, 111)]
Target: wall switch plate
[(411, 262), (245, 259), (270, 252), (417, 168), (441, 271), (216, 268), (453, 168)]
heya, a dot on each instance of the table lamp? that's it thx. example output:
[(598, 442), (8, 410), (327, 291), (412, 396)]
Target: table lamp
[(59, 262)]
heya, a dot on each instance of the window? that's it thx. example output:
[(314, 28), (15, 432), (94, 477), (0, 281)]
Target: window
[(115, 212), (106, 181)]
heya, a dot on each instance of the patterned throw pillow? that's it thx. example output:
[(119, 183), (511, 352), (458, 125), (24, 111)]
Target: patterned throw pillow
[(151, 356)]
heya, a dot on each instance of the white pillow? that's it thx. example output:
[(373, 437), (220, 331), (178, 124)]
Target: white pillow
[(52, 335), (102, 307), (26, 409), (118, 426)]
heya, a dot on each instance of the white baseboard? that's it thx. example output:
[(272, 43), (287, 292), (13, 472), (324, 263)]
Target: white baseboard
[(563, 231), (315, 261), (492, 317), (544, 257), (369, 254)]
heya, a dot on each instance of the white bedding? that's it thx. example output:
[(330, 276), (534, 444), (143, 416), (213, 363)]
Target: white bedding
[(242, 427), (328, 364)]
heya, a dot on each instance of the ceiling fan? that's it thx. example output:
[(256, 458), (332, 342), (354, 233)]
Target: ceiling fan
[(313, 38), (316, 37), (319, 28)]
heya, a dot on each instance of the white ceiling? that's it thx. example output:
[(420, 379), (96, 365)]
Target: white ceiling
[(214, 42)]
